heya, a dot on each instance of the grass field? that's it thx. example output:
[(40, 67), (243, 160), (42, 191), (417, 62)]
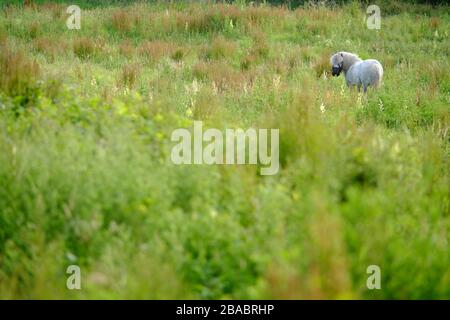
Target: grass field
[(86, 179)]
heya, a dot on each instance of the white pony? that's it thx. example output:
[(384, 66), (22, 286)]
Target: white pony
[(357, 72)]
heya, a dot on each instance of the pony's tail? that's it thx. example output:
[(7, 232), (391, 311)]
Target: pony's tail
[(377, 75)]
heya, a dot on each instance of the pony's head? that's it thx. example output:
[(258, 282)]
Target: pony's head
[(337, 63)]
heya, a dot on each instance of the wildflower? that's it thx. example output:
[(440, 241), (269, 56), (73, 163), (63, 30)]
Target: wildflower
[(359, 101), (190, 107), (245, 87), (276, 81), (342, 90), (215, 88), (71, 257), (194, 88), (381, 105), (322, 108)]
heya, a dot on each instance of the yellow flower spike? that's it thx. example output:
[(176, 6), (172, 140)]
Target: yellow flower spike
[(122, 109), (142, 208), (159, 136), (185, 122), (158, 117)]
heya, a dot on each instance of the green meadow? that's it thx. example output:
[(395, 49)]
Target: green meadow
[(86, 178)]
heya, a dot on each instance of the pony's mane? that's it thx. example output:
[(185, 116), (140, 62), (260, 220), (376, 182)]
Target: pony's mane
[(349, 59)]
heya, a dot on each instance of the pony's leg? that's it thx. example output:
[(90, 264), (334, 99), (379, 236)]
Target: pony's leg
[(365, 89), (359, 88)]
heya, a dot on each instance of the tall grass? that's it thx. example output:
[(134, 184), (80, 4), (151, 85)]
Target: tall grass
[(85, 47), (19, 74), (129, 75)]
